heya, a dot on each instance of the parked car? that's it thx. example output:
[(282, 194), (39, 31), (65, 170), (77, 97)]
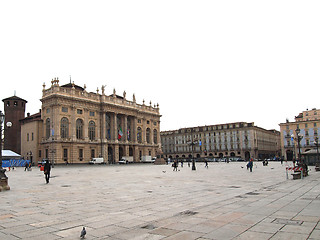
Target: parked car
[(123, 161)]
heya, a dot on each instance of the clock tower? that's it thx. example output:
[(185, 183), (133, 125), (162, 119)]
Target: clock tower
[(14, 109)]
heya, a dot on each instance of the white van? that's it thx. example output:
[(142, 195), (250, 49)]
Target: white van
[(126, 160), (97, 161)]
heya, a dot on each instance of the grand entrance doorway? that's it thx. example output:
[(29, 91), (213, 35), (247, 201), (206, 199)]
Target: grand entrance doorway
[(110, 155)]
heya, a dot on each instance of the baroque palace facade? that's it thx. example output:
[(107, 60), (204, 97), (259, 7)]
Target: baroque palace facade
[(232, 140), (76, 126), (308, 123)]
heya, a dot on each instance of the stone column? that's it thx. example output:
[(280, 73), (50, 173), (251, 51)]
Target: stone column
[(136, 154), (125, 133), (114, 135), (116, 153), (134, 130), (85, 124), (102, 134), (151, 135), (159, 137), (105, 153), (72, 124), (144, 131)]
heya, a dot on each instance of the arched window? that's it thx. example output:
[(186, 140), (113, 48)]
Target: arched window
[(148, 135), (47, 128), (64, 128), (92, 130), (155, 136), (79, 128), (139, 135)]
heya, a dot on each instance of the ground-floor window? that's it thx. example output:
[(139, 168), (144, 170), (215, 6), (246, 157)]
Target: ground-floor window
[(80, 154), (65, 154)]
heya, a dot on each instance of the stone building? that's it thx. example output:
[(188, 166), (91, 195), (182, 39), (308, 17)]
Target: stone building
[(31, 135), (231, 140), (308, 123), (78, 125)]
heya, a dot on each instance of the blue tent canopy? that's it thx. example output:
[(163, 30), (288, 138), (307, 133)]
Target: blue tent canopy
[(15, 163)]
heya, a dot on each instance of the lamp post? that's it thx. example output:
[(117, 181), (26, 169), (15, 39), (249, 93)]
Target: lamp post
[(192, 144), (193, 162), (3, 178), (299, 137), (1, 121), (316, 142)]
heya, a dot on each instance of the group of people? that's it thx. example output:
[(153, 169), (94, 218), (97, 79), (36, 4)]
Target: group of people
[(28, 166), (176, 163), (46, 169)]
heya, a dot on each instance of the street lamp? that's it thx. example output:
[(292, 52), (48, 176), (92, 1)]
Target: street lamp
[(3, 178), (192, 144), (1, 121), (299, 138), (193, 162), (316, 142)]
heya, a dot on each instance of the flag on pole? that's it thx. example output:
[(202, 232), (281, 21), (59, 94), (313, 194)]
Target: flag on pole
[(120, 133)]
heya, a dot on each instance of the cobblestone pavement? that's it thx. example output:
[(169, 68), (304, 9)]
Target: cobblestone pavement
[(144, 201)]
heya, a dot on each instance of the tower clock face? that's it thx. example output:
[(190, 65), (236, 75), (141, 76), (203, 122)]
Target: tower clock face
[(9, 124)]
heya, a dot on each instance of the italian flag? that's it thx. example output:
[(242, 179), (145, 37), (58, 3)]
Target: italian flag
[(120, 133)]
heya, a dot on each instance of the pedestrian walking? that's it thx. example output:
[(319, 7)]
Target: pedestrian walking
[(206, 163), (250, 165), (26, 166), (175, 165), (46, 170)]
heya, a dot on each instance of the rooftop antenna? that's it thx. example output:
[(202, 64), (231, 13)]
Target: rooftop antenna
[(14, 93)]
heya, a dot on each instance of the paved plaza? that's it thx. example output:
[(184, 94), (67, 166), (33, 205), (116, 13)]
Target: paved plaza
[(145, 201)]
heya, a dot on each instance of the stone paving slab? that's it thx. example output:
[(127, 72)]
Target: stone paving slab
[(145, 201)]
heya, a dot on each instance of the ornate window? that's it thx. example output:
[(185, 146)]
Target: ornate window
[(79, 128), (92, 130), (64, 128), (139, 135), (129, 129), (148, 135), (47, 128), (120, 131), (108, 126), (155, 136)]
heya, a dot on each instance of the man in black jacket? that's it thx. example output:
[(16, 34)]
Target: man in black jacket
[(46, 170)]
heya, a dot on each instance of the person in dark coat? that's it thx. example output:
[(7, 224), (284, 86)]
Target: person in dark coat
[(250, 164), (175, 165), (46, 170)]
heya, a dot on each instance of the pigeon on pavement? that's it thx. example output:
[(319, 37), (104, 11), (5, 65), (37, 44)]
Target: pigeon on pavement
[(83, 232)]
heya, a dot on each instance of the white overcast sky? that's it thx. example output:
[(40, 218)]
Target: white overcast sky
[(204, 62)]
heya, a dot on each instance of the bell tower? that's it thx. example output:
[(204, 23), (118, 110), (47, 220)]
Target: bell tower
[(14, 110)]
